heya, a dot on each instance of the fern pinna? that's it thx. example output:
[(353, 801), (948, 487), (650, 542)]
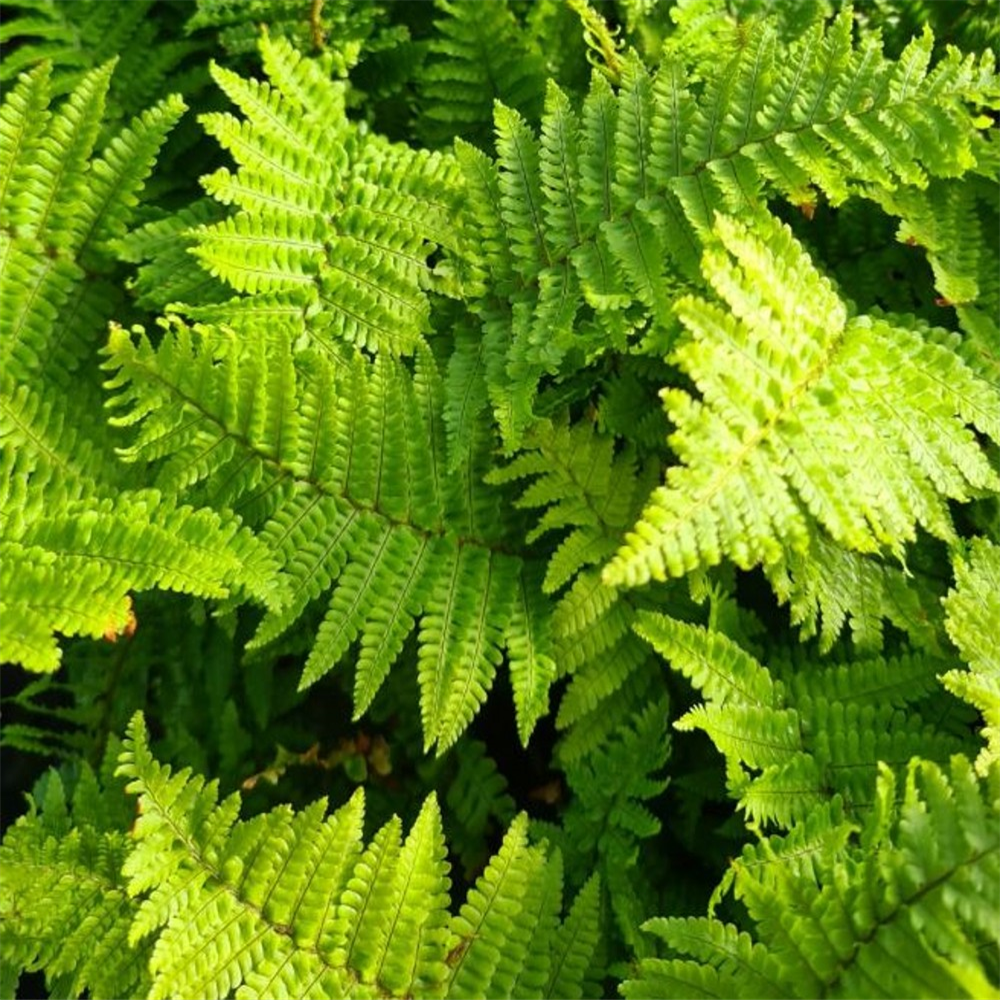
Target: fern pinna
[(588, 411)]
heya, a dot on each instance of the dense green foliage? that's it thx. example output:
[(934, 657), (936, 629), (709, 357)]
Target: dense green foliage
[(564, 438)]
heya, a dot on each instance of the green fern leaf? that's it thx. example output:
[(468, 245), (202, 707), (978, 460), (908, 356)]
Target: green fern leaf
[(574, 944), (761, 443), (64, 904), (73, 555), (195, 901), (835, 917), (330, 220), (506, 900), (792, 743), (623, 198), (351, 493), (460, 647), (728, 962), (480, 54), (828, 586), (972, 609), (23, 120)]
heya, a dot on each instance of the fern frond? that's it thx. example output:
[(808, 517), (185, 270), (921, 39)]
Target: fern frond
[(64, 905), (59, 204), (950, 223), (458, 631), (356, 503), (72, 571), (944, 219), (578, 482), (575, 943), (607, 813), (973, 607), (895, 681), (166, 271), (792, 743), (507, 901), (622, 195), (728, 962), (612, 674), (331, 222), (480, 54), (285, 904), (465, 391), (609, 817), (74, 554), (762, 456), (478, 800), (912, 911), (530, 653)]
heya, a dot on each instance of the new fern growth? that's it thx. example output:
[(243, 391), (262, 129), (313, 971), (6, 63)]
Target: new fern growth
[(786, 433)]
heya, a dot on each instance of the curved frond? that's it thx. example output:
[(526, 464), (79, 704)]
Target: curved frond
[(196, 902), (353, 495)]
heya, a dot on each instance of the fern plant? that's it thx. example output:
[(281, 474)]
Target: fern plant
[(572, 428), (589, 229), (459, 573)]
